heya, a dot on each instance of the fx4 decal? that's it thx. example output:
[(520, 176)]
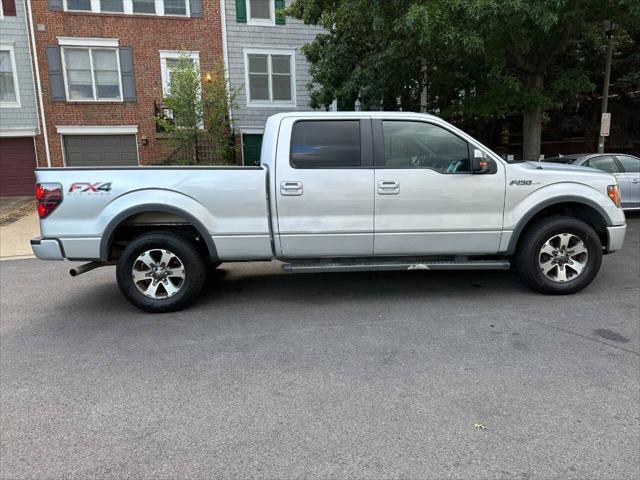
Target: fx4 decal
[(86, 187), (523, 182)]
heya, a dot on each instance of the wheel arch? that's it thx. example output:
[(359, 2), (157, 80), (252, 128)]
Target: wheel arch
[(574, 206), (121, 219)]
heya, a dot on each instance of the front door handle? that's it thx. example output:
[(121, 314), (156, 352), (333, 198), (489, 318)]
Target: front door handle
[(635, 180), (291, 189), (388, 187)]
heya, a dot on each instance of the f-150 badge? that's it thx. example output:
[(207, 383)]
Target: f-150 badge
[(523, 182)]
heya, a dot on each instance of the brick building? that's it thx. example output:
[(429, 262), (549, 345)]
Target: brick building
[(103, 67)]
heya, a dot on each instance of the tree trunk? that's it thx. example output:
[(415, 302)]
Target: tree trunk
[(532, 123), (531, 133)]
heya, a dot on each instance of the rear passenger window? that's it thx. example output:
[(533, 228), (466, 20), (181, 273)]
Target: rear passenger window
[(629, 163), (326, 144)]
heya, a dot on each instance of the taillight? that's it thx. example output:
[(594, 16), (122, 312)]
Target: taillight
[(48, 196), (614, 194)]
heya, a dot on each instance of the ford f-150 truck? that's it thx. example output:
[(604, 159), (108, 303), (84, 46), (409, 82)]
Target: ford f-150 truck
[(334, 192)]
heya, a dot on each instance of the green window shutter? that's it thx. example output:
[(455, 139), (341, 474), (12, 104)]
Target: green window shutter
[(241, 11), (280, 18)]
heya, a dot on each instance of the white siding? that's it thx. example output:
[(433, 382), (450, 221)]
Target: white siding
[(13, 30)]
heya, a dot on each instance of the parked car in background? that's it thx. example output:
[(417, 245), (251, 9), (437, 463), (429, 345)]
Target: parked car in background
[(626, 169)]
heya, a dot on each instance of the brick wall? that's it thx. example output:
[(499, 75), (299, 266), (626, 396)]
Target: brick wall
[(147, 35)]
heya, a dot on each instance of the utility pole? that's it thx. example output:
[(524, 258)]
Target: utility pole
[(424, 93), (607, 74)]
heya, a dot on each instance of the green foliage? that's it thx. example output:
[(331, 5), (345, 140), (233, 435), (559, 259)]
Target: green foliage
[(483, 57), (199, 107), (218, 100)]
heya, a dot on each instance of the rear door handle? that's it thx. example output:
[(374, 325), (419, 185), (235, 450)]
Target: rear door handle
[(635, 180), (291, 189), (388, 187)]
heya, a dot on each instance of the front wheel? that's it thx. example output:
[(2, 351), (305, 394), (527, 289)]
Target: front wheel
[(160, 272), (559, 255)]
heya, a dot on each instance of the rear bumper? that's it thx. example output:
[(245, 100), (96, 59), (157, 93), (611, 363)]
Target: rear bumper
[(47, 249), (615, 237)]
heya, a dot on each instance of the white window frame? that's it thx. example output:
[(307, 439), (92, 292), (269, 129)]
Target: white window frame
[(93, 5), (99, 46), (174, 55), (1, 12), (128, 9), (270, 103), (69, 130), (16, 88), (260, 21)]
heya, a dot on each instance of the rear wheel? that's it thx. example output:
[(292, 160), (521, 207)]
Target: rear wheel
[(160, 272), (559, 255)]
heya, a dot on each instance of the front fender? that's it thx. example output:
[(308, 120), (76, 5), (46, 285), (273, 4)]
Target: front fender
[(518, 212)]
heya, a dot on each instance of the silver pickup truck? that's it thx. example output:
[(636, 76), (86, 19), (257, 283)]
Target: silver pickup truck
[(335, 192)]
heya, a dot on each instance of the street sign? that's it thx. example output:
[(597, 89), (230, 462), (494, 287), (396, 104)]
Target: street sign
[(605, 125)]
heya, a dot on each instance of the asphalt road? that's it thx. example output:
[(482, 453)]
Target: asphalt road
[(376, 375)]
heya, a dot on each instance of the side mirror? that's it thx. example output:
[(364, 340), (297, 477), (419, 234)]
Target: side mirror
[(481, 163)]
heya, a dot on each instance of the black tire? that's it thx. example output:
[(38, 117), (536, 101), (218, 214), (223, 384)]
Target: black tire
[(187, 253), (528, 255)]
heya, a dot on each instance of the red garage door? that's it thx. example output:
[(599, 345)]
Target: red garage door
[(17, 161)]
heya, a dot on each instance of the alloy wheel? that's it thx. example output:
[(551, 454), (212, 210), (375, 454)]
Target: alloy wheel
[(563, 257), (158, 273)]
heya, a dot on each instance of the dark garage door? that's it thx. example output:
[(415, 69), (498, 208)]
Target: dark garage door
[(100, 150), (17, 162)]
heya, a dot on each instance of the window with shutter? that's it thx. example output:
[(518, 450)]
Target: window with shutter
[(92, 74), (261, 12)]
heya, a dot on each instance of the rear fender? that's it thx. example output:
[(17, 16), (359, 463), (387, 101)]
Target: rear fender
[(156, 200)]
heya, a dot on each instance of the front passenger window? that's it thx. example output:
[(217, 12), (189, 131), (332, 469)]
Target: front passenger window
[(423, 145)]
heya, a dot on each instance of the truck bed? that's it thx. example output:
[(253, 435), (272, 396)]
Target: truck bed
[(229, 204)]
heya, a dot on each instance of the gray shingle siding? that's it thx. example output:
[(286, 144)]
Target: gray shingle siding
[(13, 31), (240, 36)]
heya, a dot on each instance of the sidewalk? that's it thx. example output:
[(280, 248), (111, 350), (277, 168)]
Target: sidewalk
[(15, 236)]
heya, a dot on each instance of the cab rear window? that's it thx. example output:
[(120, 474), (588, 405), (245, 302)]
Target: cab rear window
[(326, 144)]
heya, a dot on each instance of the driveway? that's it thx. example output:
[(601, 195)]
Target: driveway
[(361, 375)]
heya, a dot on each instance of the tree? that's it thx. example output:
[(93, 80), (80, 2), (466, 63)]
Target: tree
[(483, 58), (197, 112)]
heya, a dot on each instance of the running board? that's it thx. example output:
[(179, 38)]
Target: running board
[(359, 265)]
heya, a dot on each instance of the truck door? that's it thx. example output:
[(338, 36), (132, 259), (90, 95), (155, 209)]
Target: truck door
[(427, 200), (324, 187)]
